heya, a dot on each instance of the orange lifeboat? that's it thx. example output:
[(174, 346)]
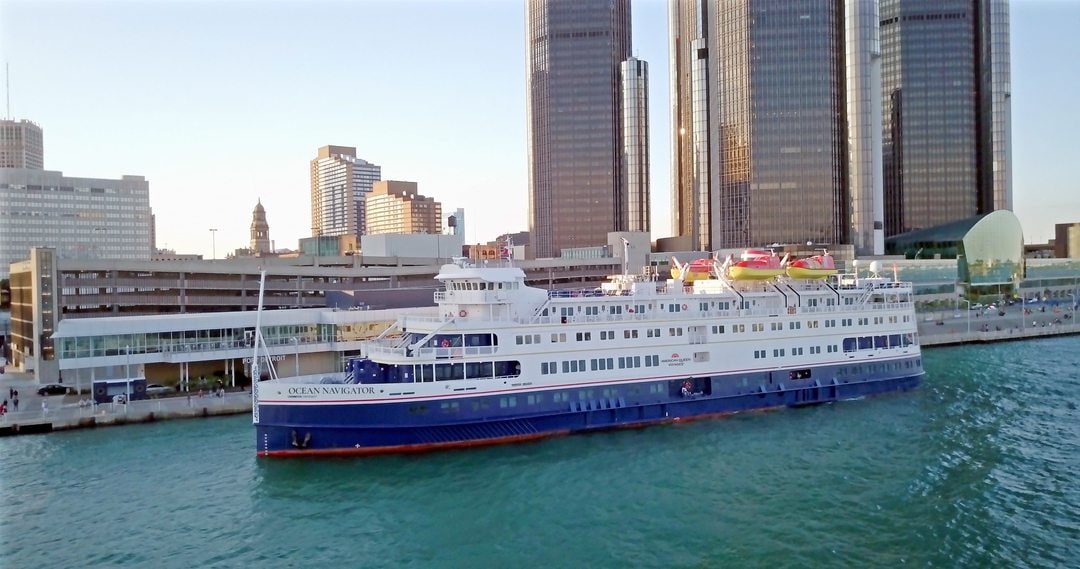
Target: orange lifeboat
[(814, 267), (700, 269), (757, 265)]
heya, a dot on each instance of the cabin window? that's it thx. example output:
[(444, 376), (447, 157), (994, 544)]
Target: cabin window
[(850, 345), (799, 374), (866, 342), (757, 327), (881, 341), (778, 353)]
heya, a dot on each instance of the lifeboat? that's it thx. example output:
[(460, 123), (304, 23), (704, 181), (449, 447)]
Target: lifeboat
[(700, 269), (757, 265), (814, 267)]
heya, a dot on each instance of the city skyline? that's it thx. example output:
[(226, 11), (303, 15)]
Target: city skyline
[(458, 130)]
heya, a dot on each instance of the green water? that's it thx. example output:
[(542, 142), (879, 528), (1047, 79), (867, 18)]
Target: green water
[(976, 468)]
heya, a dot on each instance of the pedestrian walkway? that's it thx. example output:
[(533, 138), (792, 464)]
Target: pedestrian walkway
[(63, 412)]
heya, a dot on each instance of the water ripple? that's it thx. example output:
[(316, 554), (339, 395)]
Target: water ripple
[(975, 468)]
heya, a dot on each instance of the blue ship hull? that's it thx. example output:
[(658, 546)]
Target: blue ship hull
[(406, 427)]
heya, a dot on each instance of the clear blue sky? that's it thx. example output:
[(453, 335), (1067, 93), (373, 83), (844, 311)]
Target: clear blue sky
[(219, 104)]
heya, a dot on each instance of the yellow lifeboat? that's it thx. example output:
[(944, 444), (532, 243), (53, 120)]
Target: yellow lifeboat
[(757, 265), (814, 267), (700, 269)]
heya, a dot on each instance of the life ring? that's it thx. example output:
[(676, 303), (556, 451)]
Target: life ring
[(684, 307), (462, 313), (445, 343)]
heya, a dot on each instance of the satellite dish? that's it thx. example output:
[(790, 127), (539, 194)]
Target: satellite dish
[(875, 267)]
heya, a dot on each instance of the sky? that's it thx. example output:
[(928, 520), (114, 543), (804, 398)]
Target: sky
[(222, 104)]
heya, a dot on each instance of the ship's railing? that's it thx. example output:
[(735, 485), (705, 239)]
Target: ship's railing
[(577, 293), (437, 353)]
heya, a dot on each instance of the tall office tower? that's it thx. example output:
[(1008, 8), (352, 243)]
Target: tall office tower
[(396, 207), (260, 231), (339, 184), (945, 92), (21, 145), (863, 65), (759, 126), (81, 218), (633, 198), (574, 51)]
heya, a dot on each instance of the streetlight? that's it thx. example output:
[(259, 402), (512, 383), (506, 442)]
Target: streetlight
[(127, 373), (213, 243), (968, 302)]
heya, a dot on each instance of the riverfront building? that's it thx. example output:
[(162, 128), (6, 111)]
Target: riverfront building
[(946, 97), (574, 49), (759, 131), (339, 183), (397, 207), (81, 218), (21, 145), (47, 289)]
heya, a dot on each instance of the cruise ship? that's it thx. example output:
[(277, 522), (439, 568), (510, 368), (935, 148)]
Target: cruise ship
[(504, 362)]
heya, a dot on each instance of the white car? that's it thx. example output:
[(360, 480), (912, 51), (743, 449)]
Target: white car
[(155, 389)]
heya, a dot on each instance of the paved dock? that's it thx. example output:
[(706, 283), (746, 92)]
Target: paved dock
[(63, 412)]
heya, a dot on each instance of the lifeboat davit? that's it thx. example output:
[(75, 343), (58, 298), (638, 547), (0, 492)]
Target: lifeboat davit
[(757, 265), (700, 269), (815, 267)]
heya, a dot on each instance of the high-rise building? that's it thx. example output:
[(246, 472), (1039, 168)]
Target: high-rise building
[(80, 218), (945, 93), (863, 67), (396, 207), (456, 222), (633, 199), (21, 145), (574, 49), (260, 231), (759, 122), (339, 183)]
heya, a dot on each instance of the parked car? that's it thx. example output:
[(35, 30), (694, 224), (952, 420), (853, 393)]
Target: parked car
[(156, 389), (52, 389), (121, 399)]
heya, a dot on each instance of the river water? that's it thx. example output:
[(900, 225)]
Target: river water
[(978, 467)]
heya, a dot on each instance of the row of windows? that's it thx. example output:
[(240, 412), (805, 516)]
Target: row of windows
[(716, 329), (599, 364)]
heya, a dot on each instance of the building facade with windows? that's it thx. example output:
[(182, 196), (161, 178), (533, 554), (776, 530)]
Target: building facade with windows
[(759, 122), (21, 145), (339, 184), (946, 98), (574, 50), (397, 207), (633, 197), (81, 218)]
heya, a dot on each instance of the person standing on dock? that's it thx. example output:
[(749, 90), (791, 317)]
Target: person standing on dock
[(44, 406), (15, 401)]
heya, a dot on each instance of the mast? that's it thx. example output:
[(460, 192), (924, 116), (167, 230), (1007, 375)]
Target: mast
[(255, 351)]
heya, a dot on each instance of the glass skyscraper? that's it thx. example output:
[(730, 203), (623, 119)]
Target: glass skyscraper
[(759, 122), (945, 92), (574, 49)]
